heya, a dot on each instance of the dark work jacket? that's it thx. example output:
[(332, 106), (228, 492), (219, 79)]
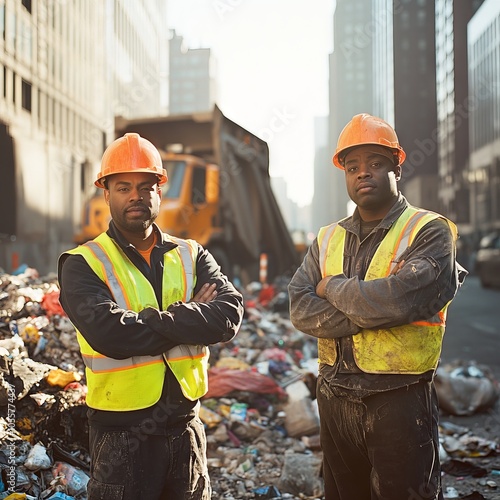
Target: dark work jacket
[(428, 280), (90, 306)]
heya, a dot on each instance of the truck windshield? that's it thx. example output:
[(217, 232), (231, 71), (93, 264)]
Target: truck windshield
[(175, 171)]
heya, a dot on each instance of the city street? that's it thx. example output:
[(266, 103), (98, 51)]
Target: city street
[(473, 326)]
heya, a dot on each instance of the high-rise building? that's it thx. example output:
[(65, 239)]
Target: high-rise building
[(137, 56), (68, 68), (453, 110), (383, 60), (351, 77), (415, 115), (324, 175), (53, 123), (484, 116), (435, 78), (191, 78)]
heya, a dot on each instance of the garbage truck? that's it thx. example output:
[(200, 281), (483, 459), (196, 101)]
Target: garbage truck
[(218, 193)]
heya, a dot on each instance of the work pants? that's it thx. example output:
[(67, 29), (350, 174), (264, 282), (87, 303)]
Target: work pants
[(381, 447), (134, 466)]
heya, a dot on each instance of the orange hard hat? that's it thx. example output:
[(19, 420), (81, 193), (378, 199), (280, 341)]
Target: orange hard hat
[(367, 129), (131, 153)]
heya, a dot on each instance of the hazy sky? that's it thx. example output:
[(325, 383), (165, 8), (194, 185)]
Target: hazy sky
[(272, 69)]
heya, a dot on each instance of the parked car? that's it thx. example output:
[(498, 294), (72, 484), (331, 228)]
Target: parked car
[(488, 260)]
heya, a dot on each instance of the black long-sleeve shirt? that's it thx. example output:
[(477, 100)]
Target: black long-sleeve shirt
[(119, 334), (427, 281)]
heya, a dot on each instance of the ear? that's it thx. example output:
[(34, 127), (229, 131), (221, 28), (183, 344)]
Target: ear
[(106, 196), (397, 172)]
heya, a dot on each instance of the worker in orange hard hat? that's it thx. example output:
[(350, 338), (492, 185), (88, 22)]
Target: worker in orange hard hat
[(374, 289), (146, 305)]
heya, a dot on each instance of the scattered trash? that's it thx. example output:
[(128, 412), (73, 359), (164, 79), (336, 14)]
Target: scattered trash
[(463, 468), (458, 441), (473, 496), (74, 479), (465, 389), (301, 475), (60, 496), (260, 413), (266, 493), (37, 458), (450, 492)]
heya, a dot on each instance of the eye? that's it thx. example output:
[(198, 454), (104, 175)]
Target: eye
[(377, 165), (351, 169)]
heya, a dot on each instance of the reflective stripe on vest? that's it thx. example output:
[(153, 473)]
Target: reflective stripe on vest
[(99, 363), (413, 348), (137, 382), (328, 246), (188, 264), (109, 271), (189, 363)]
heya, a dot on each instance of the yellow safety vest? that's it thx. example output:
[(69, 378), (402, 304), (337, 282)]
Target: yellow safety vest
[(137, 382), (413, 348)]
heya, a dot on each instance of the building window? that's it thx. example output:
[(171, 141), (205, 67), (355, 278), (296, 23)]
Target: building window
[(27, 5), (199, 186), (26, 95)]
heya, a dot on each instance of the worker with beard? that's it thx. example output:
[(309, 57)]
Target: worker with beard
[(374, 289), (146, 305)]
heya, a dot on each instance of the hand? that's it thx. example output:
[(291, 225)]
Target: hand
[(397, 268), (321, 287), (206, 294)]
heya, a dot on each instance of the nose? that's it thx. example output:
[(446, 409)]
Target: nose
[(135, 194), (363, 171)]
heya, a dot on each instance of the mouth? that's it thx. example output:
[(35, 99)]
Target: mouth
[(365, 187), (136, 210)]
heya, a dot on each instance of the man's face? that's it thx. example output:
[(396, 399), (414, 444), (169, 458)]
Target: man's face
[(134, 200), (371, 179)]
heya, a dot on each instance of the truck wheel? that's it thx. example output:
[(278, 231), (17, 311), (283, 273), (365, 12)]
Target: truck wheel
[(223, 260)]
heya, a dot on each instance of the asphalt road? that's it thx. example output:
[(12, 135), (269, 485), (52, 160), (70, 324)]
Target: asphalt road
[(473, 326)]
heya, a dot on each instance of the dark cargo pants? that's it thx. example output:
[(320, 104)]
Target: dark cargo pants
[(383, 447), (133, 466)]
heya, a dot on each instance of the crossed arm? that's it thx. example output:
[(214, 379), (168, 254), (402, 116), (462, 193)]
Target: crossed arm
[(338, 306), (213, 314)]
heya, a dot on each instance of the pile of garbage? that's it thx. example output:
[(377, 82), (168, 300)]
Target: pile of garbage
[(42, 393), (260, 413)]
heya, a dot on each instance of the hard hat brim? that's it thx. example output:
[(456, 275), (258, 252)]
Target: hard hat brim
[(393, 154), (162, 178)]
